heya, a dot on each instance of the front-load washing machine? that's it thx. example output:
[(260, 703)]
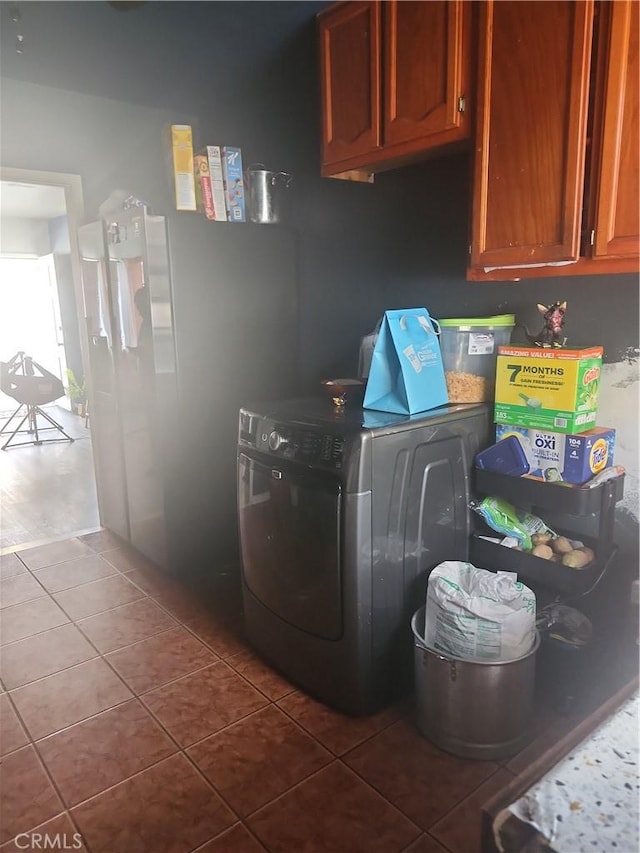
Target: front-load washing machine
[(342, 515)]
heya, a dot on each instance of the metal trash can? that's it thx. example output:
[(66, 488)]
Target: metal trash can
[(474, 709)]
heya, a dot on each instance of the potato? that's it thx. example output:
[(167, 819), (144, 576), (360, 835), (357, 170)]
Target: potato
[(541, 538), (590, 554), (561, 545), (576, 559), (542, 551)]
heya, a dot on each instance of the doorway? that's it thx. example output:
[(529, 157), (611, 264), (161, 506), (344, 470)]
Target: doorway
[(47, 490), (30, 317)]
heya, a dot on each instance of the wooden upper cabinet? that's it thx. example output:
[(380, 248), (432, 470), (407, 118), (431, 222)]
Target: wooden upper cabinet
[(350, 81), (616, 158), (426, 50), (533, 87), (395, 79)]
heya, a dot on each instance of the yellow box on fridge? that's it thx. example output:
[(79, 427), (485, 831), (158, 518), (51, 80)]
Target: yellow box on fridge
[(548, 389), (180, 149)]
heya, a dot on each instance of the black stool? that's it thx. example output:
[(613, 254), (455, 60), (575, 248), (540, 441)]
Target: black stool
[(32, 386)]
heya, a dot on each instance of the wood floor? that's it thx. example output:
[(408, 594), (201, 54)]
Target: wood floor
[(47, 492)]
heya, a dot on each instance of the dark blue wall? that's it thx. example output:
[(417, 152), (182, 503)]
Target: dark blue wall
[(246, 74)]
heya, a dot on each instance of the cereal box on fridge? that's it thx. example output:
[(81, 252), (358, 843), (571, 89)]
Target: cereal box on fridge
[(217, 183), (546, 388), (204, 195), (180, 152), (233, 183)]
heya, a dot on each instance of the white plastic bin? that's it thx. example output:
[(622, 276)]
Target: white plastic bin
[(469, 350)]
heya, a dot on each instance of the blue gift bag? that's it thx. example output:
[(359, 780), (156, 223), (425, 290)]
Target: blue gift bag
[(406, 374)]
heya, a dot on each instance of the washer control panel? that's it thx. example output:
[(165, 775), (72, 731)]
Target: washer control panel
[(299, 444)]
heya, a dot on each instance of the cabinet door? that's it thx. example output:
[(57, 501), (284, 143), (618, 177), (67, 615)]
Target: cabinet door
[(350, 85), (426, 71), (617, 226), (534, 61)]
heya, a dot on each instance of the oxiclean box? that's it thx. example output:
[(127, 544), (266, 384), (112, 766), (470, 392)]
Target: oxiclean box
[(549, 389), (554, 456)]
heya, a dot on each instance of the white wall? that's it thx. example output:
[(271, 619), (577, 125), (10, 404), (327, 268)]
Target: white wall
[(24, 237), (618, 407), (110, 144)]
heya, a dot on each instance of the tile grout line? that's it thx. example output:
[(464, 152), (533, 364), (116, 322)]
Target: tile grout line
[(73, 620), (76, 619), (340, 757), (48, 675), (116, 572), (20, 547), (186, 626), (183, 750), (127, 645), (103, 656), (65, 809), (90, 553), (179, 747), (174, 680), (86, 637), (359, 743), (65, 669), (76, 622), (384, 797), (34, 740), (51, 565), (180, 750), (338, 760), (241, 823), (458, 803), (270, 703), (26, 600), (22, 723)]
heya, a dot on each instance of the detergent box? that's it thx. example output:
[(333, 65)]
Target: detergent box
[(556, 457), (546, 388)]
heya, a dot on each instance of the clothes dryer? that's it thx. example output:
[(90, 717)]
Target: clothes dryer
[(342, 515)]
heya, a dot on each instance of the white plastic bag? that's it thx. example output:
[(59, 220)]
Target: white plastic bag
[(479, 615)]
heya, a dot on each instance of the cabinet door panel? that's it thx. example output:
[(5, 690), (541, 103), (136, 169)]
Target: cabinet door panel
[(617, 225), (426, 60), (534, 61), (350, 50)]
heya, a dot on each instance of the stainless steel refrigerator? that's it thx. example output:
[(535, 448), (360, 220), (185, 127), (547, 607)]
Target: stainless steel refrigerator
[(187, 320)]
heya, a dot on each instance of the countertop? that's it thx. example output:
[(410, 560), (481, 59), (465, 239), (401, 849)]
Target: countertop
[(583, 795)]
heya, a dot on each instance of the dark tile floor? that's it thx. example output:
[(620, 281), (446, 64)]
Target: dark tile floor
[(134, 715)]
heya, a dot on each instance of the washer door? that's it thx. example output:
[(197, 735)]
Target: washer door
[(289, 518)]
